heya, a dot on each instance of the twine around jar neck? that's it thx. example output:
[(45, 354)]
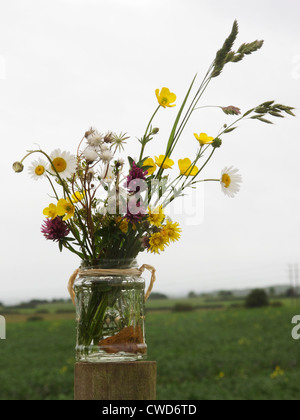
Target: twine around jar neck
[(112, 272)]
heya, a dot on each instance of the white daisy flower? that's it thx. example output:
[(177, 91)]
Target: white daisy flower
[(37, 170), (62, 162), (230, 180)]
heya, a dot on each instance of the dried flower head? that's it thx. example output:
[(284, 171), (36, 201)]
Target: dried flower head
[(108, 138), (106, 156), (90, 154), (93, 137)]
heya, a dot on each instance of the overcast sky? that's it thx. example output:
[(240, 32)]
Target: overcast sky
[(66, 65)]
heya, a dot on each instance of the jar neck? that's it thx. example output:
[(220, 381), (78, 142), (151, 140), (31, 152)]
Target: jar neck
[(109, 264)]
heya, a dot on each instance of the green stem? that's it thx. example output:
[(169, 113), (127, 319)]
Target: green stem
[(207, 106), (187, 116), (144, 142), (231, 125), (70, 248), (51, 183), (184, 185)]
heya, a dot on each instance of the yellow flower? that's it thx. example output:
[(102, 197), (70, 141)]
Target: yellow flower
[(164, 162), (65, 208), (186, 168), (150, 162), (51, 211), (156, 216), (165, 97), (171, 231), (203, 139), (157, 242), (277, 372), (77, 196), (122, 224)]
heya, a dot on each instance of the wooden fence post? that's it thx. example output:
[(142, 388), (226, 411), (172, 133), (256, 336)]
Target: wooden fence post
[(115, 381)]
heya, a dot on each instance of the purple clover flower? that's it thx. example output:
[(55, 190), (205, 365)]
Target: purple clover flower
[(136, 210), (55, 229), (133, 179)]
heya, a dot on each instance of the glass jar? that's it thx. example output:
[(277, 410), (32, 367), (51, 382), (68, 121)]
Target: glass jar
[(110, 313)]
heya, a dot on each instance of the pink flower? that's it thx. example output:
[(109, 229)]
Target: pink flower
[(133, 179), (55, 229), (231, 110)]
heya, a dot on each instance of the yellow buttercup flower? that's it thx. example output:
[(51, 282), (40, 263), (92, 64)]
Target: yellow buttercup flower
[(203, 139), (65, 208), (122, 224), (186, 167), (165, 97), (171, 231), (51, 211), (277, 372), (157, 242), (77, 196), (156, 216), (150, 162), (164, 162)]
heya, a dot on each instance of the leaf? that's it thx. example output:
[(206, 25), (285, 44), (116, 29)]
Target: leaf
[(140, 164), (264, 120), (248, 112), (130, 160), (145, 168), (144, 160), (267, 104), (276, 114), (255, 117), (228, 130), (288, 111), (172, 135)]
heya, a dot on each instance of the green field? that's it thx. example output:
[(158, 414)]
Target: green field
[(213, 354)]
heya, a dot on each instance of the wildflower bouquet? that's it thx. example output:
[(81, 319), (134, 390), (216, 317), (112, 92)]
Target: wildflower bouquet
[(107, 207)]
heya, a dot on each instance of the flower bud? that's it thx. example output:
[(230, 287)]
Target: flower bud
[(155, 130), (18, 167), (216, 143)]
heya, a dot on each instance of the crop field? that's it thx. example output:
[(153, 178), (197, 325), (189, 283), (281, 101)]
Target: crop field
[(203, 354)]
